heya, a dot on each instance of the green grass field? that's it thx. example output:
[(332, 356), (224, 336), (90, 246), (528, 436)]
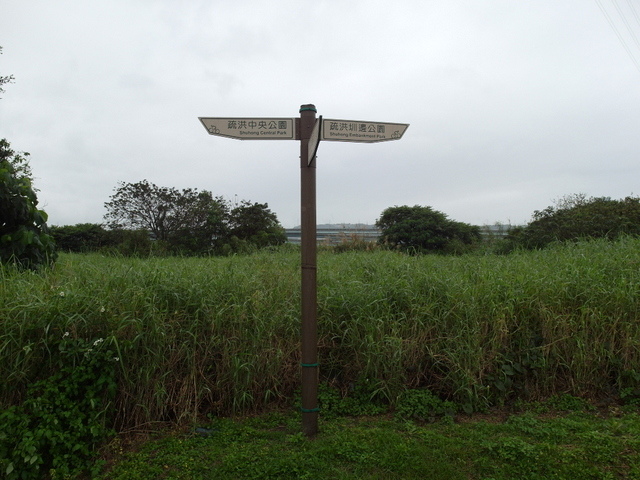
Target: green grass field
[(570, 446)]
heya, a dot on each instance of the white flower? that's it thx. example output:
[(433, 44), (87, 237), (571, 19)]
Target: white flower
[(61, 294), (102, 309), (116, 359), (98, 342), (66, 334)]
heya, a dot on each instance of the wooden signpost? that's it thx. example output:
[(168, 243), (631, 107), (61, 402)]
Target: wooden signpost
[(310, 131)]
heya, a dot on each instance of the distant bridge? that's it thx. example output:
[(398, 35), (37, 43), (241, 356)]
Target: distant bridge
[(338, 233)]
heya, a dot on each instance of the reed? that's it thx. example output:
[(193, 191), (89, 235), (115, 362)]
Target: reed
[(221, 335)]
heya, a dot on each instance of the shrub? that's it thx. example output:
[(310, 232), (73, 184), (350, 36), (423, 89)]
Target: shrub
[(56, 429), (423, 405), (422, 229), (23, 230), (577, 217)]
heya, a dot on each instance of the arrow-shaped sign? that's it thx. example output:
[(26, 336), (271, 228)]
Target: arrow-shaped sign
[(251, 128), (360, 131)]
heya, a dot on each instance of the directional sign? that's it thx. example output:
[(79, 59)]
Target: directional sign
[(359, 131), (251, 128), (310, 131), (314, 140)]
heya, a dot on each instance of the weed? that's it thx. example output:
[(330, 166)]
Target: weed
[(424, 406), (359, 400), (568, 403), (64, 417)]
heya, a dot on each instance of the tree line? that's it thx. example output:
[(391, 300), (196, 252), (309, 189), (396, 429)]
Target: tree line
[(574, 217), (143, 218)]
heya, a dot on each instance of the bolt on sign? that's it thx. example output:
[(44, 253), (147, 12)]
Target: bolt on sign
[(310, 131)]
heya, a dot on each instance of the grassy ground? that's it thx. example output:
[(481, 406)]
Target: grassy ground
[(568, 445)]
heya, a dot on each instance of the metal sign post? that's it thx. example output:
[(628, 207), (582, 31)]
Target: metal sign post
[(310, 131)]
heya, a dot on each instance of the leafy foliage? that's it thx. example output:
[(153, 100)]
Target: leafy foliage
[(423, 405), (82, 237), (4, 79), (165, 212), (23, 230), (257, 224), (576, 217), (190, 221), (423, 229), (360, 400), (55, 430)]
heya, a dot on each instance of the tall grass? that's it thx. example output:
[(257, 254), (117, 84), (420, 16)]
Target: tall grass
[(221, 335)]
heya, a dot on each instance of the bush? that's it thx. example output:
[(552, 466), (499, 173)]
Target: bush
[(423, 405), (576, 217), (420, 229), (82, 237), (56, 429), (23, 230)]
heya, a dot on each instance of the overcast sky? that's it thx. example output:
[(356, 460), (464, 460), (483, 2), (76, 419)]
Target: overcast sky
[(511, 104)]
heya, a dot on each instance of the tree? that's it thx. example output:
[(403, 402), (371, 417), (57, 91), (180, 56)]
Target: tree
[(190, 221), (205, 225), (423, 229), (255, 223), (4, 79), (24, 237), (185, 219), (575, 217)]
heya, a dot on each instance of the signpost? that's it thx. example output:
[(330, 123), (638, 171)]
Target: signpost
[(310, 131)]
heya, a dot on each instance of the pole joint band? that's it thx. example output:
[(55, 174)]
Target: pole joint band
[(310, 410), (310, 364)]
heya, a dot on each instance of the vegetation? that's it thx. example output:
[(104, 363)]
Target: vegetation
[(56, 429), (192, 222), (82, 238), (566, 445), (222, 334), (255, 223), (4, 79), (421, 229), (577, 217), (23, 230)]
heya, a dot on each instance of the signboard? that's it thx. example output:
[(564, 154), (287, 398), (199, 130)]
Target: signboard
[(254, 128), (360, 131), (314, 140)]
